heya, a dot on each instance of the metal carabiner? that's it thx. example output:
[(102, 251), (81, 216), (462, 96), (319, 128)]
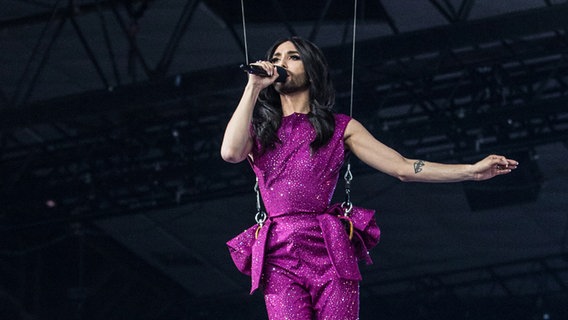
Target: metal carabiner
[(260, 216)]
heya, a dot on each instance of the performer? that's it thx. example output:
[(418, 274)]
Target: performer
[(302, 257)]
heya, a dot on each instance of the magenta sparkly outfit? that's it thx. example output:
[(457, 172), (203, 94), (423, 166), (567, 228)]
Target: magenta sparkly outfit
[(302, 257)]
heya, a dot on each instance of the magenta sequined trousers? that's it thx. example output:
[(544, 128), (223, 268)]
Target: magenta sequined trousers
[(299, 279)]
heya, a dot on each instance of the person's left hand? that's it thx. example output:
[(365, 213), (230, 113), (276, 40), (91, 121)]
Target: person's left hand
[(492, 166)]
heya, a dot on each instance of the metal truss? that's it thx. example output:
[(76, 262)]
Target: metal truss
[(124, 13), (467, 90), (148, 140), (155, 144)]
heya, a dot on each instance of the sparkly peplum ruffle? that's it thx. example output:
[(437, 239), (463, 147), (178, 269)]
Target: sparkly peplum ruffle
[(302, 231)]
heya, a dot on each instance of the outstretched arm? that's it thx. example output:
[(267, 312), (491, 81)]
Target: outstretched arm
[(385, 159), (237, 141)]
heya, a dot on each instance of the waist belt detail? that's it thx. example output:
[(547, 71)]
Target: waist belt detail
[(248, 252)]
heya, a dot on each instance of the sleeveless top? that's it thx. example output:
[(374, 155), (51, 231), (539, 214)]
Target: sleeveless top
[(292, 179)]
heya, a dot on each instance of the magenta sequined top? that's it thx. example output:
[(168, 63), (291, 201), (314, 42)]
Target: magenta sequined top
[(292, 180)]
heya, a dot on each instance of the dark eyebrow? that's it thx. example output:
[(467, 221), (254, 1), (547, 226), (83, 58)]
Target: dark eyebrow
[(277, 54)]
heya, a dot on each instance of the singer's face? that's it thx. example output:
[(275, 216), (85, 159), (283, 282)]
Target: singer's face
[(287, 56)]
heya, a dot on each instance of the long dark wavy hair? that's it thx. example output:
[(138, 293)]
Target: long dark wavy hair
[(268, 113)]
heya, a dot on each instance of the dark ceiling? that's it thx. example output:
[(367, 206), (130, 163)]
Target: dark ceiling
[(115, 204)]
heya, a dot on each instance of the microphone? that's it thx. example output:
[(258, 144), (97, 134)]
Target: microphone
[(256, 70)]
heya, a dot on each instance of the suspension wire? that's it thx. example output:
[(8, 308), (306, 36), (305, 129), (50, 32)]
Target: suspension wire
[(260, 216), (347, 205), (353, 58), (244, 31)]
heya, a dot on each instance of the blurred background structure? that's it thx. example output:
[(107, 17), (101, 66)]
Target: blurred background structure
[(115, 203)]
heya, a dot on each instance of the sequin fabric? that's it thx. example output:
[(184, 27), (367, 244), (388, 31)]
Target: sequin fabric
[(293, 180), (299, 278)]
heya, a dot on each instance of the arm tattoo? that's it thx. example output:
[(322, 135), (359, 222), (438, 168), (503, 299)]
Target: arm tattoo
[(418, 166)]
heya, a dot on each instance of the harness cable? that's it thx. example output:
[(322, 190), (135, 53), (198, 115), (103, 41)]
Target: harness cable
[(347, 205)]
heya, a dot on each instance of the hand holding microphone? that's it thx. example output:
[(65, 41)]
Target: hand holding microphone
[(259, 71)]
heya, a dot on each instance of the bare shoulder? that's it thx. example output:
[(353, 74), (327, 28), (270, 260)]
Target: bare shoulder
[(353, 127)]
